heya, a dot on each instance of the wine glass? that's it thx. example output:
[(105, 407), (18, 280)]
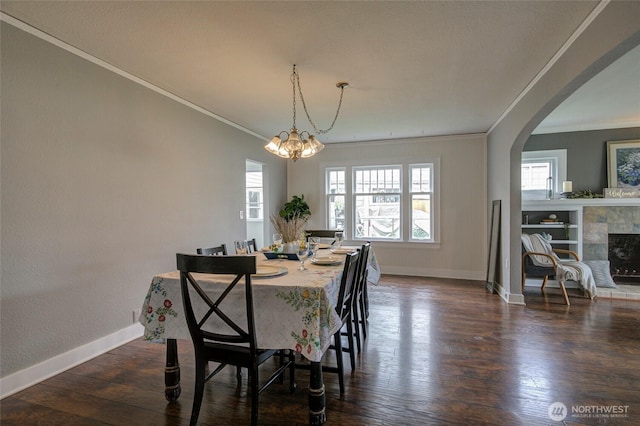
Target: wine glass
[(241, 247), (313, 243), (277, 243), (339, 237), (303, 252)]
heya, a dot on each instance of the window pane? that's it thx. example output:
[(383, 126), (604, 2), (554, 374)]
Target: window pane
[(336, 182), (377, 217), (421, 217), (377, 180), (534, 175), (336, 212), (421, 179)]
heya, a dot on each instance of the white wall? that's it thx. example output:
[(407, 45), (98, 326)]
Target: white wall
[(103, 181), (609, 33), (461, 252)]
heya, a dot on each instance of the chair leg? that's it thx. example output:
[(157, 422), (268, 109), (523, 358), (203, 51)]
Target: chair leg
[(238, 372), (255, 391), (564, 292), (363, 314), (352, 349), (292, 371), (198, 392), (524, 278), (356, 323), (544, 282), (338, 345)]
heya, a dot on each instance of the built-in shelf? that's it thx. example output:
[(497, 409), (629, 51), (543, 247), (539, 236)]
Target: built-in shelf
[(565, 235)]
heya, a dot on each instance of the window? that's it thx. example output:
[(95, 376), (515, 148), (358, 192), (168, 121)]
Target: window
[(373, 202), (335, 193), (254, 197), (421, 201), (537, 167), (377, 196)]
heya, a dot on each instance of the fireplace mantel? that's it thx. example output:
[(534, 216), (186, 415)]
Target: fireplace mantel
[(581, 202)]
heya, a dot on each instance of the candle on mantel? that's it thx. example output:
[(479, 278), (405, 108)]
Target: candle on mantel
[(567, 186)]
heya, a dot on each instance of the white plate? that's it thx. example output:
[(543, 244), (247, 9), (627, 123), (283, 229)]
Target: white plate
[(328, 260), (343, 250), (269, 271)]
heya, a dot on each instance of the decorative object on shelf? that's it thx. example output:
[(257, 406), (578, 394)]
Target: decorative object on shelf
[(292, 219), (622, 193), (552, 219), (567, 188), (298, 144), (584, 194), (623, 163), (549, 188)]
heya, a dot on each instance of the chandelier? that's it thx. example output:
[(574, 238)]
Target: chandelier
[(297, 144)]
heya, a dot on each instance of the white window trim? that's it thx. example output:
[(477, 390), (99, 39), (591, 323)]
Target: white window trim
[(405, 241), (559, 161)]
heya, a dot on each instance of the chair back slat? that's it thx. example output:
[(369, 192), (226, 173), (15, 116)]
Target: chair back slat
[(212, 251), (361, 276), (345, 294), (322, 233), (208, 325)]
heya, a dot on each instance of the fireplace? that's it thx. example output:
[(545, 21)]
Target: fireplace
[(624, 257)]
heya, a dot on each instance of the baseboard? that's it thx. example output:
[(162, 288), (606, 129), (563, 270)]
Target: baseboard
[(35, 374), (436, 273), (511, 298)]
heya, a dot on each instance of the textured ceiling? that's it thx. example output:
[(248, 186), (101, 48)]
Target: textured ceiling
[(414, 68)]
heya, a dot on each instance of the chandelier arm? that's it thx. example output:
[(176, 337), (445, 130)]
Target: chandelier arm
[(304, 105)]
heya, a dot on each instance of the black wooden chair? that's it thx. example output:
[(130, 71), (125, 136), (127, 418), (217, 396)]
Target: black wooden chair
[(344, 310), (359, 293), (251, 246), (323, 233), (236, 344), (212, 251)]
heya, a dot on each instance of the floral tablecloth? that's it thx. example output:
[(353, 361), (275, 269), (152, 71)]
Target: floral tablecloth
[(294, 310)]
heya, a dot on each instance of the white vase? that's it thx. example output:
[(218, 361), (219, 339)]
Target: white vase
[(290, 247)]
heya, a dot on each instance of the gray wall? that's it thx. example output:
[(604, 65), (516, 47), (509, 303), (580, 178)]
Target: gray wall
[(586, 153), (103, 181)]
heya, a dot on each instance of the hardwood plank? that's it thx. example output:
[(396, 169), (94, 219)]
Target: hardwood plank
[(439, 351)]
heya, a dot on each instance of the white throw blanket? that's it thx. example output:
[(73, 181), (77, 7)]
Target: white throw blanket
[(567, 269)]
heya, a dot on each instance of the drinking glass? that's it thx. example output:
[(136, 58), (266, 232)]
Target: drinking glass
[(277, 243), (241, 247), (339, 237), (313, 243), (303, 252)]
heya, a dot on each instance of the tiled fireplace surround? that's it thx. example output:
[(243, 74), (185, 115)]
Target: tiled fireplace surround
[(600, 221), (597, 222)]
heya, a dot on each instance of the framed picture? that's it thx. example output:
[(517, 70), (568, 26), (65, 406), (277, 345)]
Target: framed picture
[(623, 163)]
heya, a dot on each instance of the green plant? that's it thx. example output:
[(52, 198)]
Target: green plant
[(297, 207)]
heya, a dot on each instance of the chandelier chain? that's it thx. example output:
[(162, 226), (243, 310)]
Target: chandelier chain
[(295, 77)]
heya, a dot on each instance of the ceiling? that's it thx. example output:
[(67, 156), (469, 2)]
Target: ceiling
[(416, 68)]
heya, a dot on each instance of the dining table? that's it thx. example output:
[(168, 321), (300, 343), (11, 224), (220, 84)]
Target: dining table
[(293, 309)]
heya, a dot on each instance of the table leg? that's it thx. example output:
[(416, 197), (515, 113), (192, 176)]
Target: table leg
[(317, 415), (172, 372)]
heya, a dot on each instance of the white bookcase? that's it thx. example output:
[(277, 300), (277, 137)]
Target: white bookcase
[(567, 235)]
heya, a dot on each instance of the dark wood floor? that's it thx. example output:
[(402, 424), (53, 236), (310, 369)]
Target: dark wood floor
[(439, 352)]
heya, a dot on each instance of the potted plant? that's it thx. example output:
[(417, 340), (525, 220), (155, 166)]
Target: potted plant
[(291, 220)]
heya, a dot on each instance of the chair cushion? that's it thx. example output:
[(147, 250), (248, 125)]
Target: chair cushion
[(601, 273)]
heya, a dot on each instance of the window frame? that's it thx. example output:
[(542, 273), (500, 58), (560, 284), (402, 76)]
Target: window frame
[(558, 160), (405, 202)]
